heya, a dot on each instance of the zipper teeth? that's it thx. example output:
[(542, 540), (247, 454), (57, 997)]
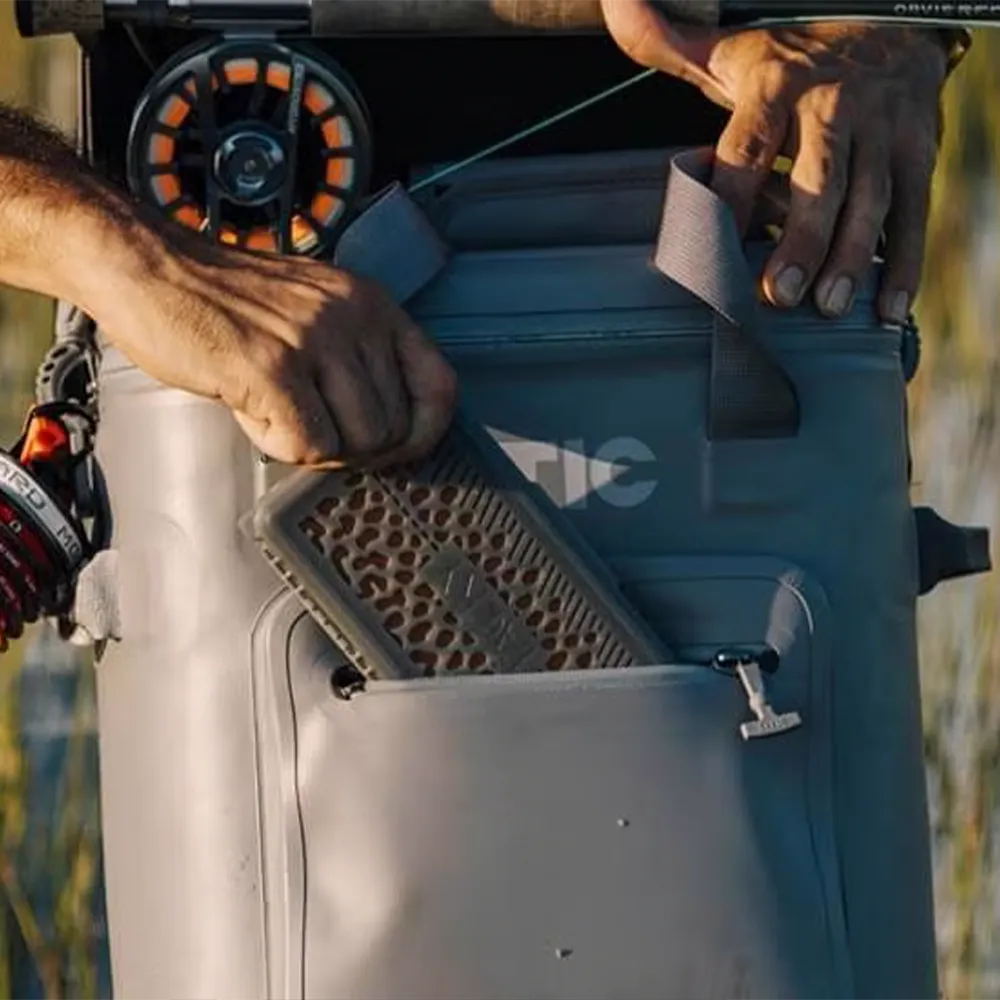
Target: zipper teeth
[(589, 677), (637, 177), (847, 339)]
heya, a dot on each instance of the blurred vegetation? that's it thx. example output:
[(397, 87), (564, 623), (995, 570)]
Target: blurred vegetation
[(52, 937), (49, 854), (957, 456)]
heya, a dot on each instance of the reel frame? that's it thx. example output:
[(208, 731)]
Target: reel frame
[(313, 101)]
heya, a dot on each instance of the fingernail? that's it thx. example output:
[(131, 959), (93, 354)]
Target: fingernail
[(897, 307), (840, 296), (788, 285)]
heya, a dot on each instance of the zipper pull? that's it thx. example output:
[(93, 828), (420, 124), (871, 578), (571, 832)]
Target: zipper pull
[(749, 666), (347, 681)]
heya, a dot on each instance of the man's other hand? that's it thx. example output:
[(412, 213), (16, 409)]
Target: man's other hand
[(319, 367), (854, 106)]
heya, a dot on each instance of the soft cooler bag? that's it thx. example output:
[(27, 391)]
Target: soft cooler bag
[(602, 834)]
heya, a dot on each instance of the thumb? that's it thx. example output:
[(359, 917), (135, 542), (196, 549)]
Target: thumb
[(649, 39)]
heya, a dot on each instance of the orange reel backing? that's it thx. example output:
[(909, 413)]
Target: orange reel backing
[(258, 144)]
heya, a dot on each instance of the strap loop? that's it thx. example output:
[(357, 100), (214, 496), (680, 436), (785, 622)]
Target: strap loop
[(750, 394)]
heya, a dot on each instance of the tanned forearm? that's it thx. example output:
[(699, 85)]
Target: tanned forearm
[(315, 365), (65, 232), (550, 15)]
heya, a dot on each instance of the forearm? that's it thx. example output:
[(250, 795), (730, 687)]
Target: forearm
[(64, 231), (552, 15)]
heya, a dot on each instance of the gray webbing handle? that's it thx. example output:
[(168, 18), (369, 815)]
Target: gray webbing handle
[(750, 395), (699, 247)]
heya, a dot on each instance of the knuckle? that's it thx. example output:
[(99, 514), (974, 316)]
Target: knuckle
[(774, 79), (868, 213), (633, 35), (748, 146), (863, 233), (826, 102), (856, 254)]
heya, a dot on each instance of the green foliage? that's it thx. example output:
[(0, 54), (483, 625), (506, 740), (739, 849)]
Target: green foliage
[(957, 458), (39, 75), (967, 172)]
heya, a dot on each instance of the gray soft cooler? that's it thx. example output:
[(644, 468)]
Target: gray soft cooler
[(590, 834)]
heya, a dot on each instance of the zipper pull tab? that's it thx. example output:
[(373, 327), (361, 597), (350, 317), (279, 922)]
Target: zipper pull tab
[(747, 666)]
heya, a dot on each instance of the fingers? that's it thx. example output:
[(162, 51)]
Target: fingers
[(844, 195), (334, 374), (640, 33), (393, 397), (747, 150), (859, 228), (359, 410), (839, 90), (433, 390), (387, 379), (650, 40), (819, 180), (280, 409), (905, 229), (773, 201)]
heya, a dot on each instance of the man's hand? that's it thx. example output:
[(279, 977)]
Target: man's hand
[(856, 108), (318, 367)]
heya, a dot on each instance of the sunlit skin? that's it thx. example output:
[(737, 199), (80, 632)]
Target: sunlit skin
[(318, 366), (321, 368), (856, 109)]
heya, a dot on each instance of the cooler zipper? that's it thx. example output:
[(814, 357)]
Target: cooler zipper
[(746, 664)]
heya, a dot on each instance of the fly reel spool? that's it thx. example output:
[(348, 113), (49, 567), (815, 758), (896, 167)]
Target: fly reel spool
[(260, 144)]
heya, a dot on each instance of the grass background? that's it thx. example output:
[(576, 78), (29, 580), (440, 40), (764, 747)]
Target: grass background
[(52, 932), (52, 935)]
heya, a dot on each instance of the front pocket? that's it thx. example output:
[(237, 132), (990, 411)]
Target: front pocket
[(602, 834)]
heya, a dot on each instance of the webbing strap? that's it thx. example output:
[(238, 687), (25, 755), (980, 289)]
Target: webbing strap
[(699, 247), (750, 394), (392, 242)]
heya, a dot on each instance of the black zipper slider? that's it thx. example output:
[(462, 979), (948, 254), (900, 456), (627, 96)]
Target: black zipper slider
[(750, 665), (347, 681)]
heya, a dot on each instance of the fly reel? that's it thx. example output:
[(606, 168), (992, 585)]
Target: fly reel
[(259, 144)]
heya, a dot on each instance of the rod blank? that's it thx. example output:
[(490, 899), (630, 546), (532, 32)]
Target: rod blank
[(452, 17), (447, 17), (329, 18), (333, 18)]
